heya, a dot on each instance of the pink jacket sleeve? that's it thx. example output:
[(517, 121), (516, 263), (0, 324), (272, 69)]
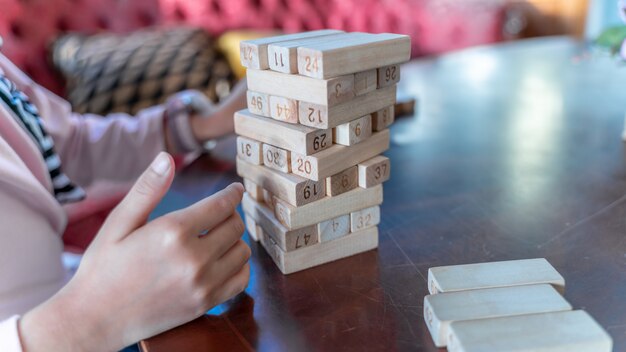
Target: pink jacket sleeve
[(9, 336)]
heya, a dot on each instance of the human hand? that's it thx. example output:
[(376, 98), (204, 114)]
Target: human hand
[(137, 280)]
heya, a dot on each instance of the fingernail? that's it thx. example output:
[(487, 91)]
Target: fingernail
[(238, 185), (161, 164)]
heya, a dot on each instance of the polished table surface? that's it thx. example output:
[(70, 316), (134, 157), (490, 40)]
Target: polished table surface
[(515, 153)]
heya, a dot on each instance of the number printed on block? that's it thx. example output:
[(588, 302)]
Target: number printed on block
[(312, 115), (342, 182), (334, 228), (383, 118), (312, 190), (258, 103), (374, 171), (249, 150), (276, 158), (364, 218), (303, 237), (284, 109), (365, 82), (303, 166), (354, 131), (388, 75), (320, 140)]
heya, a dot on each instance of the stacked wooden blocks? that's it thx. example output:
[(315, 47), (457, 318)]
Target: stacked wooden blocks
[(309, 144), (507, 306)]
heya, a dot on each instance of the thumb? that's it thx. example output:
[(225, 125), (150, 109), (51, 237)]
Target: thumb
[(143, 197)]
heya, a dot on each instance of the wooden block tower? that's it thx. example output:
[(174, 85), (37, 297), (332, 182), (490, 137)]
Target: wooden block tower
[(309, 145)]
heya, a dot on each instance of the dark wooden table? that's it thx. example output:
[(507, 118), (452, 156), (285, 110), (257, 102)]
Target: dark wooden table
[(515, 153)]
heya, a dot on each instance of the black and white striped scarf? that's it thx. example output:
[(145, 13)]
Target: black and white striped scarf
[(27, 116)]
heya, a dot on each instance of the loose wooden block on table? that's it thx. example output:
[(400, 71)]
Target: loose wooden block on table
[(284, 109), (249, 150), (255, 191), (291, 188), (364, 218), (296, 138), (326, 208), (276, 158), (253, 53), (494, 274), (547, 332), (374, 171), (383, 118), (442, 309), (327, 92), (334, 159), (388, 75), (334, 228), (365, 82), (359, 53), (354, 131), (320, 116), (258, 103), (323, 252), (251, 227), (342, 182), (287, 240)]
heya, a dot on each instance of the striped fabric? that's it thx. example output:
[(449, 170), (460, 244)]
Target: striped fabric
[(27, 116)]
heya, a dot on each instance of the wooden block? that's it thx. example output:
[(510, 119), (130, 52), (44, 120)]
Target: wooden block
[(296, 138), (494, 274), (327, 208), (442, 309), (365, 82), (354, 131), (249, 150), (388, 75), (287, 240), (255, 191), (364, 218), (253, 53), (291, 188), (284, 109), (374, 171), (320, 116), (335, 159), (548, 332), (360, 53), (276, 158), (251, 227), (342, 182), (327, 92), (334, 228), (283, 56), (258, 103), (268, 199), (323, 252), (383, 118)]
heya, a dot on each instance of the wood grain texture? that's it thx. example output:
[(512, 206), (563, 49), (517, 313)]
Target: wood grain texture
[(353, 132), (276, 158), (283, 56), (255, 191), (374, 171), (249, 150), (442, 309), (334, 159), (296, 138), (365, 82), (258, 103), (383, 118), (320, 116), (326, 92), (290, 188), (326, 208), (251, 227), (334, 228), (364, 218), (342, 182), (388, 75), (360, 53), (284, 109), (550, 332)]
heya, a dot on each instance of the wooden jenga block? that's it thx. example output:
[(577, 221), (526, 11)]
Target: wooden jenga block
[(283, 56), (354, 131), (249, 150), (494, 274), (284, 109), (327, 92), (442, 309), (359, 53), (388, 75), (334, 159), (320, 116), (296, 138), (276, 158), (287, 240), (268, 199), (251, 227), (258, 103), (291, 188), (365, 82), (255, 191), (253, 53), (294, 217), (323, 252), (364, 218), (383, 118), (334, 228), (374, 171), (342, 182), (547, 332)]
